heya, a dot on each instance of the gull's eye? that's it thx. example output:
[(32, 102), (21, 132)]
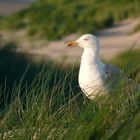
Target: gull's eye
[(86, 39)]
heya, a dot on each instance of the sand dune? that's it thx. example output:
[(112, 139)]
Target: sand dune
[(113, 41)]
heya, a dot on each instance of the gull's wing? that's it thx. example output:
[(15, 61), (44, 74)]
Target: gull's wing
[(111, 70), (112, 76)]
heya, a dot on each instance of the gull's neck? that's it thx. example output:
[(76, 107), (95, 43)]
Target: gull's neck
[(91, 56)]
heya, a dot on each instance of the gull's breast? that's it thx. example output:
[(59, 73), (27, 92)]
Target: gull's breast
[(91, 81)]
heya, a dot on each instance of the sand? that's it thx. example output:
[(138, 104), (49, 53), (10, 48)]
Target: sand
[(113, 40)]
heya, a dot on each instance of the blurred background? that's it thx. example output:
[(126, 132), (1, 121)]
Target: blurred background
[(42, 27), (35, 31)]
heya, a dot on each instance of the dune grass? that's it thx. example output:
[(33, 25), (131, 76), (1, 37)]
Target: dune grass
[(137, 28), (53, 20), (51, 106)]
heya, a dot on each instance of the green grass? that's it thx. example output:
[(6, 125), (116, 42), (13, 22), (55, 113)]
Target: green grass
[(137, 28), (51, 106), (53, 20)]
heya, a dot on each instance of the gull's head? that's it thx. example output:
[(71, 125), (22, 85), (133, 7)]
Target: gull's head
[(85, 41)]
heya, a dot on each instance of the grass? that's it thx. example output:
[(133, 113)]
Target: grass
[(49, 104), (137, 28), (53, 20)]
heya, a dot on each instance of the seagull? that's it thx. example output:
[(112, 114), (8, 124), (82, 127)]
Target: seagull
[(95, 77)]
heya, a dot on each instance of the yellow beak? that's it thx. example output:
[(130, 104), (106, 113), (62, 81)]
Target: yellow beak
[(72, 43)]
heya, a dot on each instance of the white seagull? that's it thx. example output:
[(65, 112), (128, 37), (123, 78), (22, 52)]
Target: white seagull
[(95, 77)]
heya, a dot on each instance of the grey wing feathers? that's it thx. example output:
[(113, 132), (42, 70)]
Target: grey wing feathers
[(111, 70), (112, 75)]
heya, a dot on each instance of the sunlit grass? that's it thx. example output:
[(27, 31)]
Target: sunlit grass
[(52, 107)]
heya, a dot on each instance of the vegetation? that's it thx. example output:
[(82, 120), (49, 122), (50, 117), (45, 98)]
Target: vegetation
[(53, 20), (137, 28), (46, 102)]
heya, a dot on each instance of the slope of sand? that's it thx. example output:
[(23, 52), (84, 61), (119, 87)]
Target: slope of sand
[(112, 40), (7, 7)]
